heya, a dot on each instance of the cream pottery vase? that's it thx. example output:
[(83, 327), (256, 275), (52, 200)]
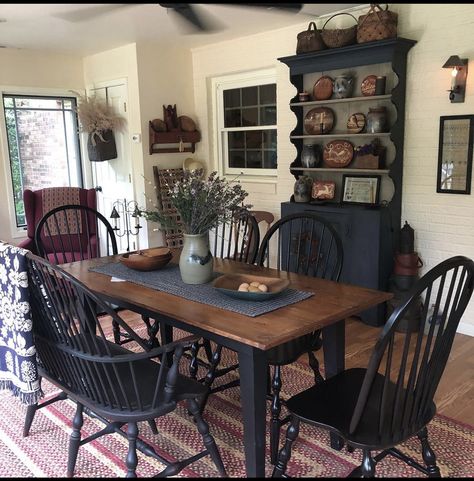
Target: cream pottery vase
[(196, 262)]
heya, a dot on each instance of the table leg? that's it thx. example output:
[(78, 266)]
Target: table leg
[(166, 332), (253, 383), (334, 352)]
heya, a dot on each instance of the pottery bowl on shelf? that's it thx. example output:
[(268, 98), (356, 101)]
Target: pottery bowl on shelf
[(147, 260)]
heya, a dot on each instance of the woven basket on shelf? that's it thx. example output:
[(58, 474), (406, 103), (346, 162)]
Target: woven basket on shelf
[(339, 37), (377, 24)]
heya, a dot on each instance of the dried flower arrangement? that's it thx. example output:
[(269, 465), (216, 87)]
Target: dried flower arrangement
[(202, 203), (96, 117)]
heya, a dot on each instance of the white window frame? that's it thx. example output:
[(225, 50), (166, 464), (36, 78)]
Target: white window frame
[(240, 80), (20, 232)]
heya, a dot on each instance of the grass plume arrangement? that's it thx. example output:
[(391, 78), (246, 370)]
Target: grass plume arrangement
[(201, 203), (95, 116)]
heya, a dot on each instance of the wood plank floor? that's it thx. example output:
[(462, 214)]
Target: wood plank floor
[(455, 395)]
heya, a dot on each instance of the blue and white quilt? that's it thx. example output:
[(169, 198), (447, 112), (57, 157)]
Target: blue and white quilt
[(18, 366)]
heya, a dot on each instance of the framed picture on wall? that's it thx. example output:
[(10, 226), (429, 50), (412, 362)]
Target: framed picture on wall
[(360, 189)]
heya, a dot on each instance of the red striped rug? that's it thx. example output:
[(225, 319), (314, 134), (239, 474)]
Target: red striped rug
[(44, 452)]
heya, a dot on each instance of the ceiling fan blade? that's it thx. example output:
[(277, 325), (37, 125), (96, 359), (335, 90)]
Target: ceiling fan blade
[(89, 13), (198, 23), (290, 7)]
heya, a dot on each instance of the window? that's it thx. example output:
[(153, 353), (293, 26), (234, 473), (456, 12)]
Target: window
[(246, 123), (43, 145)]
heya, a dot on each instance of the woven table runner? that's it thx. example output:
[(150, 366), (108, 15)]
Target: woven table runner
[(169, 280)]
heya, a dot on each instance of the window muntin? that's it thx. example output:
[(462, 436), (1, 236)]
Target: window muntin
[(43, 145), (247, 126)]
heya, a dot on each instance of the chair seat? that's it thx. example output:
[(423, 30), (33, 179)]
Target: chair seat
[(331, 405), (186, 388)]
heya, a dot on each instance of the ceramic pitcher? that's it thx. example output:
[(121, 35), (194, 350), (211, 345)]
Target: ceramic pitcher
[(343, 85)]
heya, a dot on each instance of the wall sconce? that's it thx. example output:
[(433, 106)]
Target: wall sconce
[(458, 68), (123, 224)]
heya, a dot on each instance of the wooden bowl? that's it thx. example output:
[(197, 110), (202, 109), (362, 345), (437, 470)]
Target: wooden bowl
[(229, 285), (148, 260)]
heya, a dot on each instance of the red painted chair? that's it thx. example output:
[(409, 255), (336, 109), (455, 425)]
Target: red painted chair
[(39, 202)]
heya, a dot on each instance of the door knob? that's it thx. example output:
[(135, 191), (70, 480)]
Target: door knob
[(98, 188)]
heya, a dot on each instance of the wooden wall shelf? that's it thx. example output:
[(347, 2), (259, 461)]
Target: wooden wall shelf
[(173, 137)]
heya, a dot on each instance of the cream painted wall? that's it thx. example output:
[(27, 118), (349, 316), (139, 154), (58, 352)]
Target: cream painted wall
[(165, 77), (116, 64), (444, 224), (31, 71)]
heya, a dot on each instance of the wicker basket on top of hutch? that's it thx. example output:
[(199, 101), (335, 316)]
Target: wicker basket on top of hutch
[(369, 232)]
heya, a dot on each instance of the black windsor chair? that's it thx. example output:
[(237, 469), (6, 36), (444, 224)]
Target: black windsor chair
[(107, 381), (377, 408), (239, 241), (306, 244), (72, 233)]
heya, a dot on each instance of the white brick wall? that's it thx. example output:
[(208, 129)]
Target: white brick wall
[(443, 223)]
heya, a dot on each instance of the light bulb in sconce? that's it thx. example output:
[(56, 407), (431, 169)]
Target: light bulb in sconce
[(458, 68)]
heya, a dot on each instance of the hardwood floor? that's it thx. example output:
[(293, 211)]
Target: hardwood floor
[(455, 395)]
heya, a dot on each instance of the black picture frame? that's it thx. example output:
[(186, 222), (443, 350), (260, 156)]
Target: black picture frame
[(455, 150), (357, 191)]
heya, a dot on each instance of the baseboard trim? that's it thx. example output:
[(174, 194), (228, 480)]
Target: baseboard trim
[(465, 328)]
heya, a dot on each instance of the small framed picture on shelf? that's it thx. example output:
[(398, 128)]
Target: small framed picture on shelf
[(360, 189)]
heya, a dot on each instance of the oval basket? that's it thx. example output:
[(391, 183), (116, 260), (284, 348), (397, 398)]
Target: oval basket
[(339, 37)]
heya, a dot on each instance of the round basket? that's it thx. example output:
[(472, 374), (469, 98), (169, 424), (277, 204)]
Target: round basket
[(339, 37)]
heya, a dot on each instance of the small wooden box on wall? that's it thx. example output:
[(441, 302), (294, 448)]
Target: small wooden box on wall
[(179, 137)]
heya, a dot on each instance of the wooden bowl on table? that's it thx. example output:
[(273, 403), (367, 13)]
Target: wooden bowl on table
[(229, 285), (147, 260)]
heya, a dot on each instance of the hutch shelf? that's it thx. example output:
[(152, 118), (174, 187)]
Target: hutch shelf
[(369, 233)]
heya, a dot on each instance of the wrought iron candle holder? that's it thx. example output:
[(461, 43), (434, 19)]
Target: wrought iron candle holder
[(126, 217)]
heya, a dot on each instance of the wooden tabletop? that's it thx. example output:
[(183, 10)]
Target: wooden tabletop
[(332, 302)]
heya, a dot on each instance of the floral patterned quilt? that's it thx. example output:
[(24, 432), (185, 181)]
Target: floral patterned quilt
[(18, 366)]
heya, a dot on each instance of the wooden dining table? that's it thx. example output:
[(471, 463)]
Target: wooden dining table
[(250, 337)]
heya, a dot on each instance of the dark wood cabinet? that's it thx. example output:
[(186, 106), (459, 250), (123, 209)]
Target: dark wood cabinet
[(370, 234)]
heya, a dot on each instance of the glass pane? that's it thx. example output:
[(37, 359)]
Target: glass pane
[(233, 118), (268, 94), (269, 159), (43, 148), (250, 117), (254, 159), (231, 98), (237, 158), (250, 96), (7, 101), (253, 139), (270, 139), (38, 103), (268, 115), (236, 140)]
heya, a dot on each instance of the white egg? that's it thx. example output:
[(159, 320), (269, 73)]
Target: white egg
[(243, 285), (243, 288), (254, 289), (255, 284), (263, 288)]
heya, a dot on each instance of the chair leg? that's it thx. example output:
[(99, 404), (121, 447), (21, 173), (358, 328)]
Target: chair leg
[(75, 440), (368, 465), (314, 364), (429, 456), (193, 365), (30, 414), (275, 423), (116, 331), (208, 440), (211, 376), (132, 459), (285, 452), (153, 427)]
